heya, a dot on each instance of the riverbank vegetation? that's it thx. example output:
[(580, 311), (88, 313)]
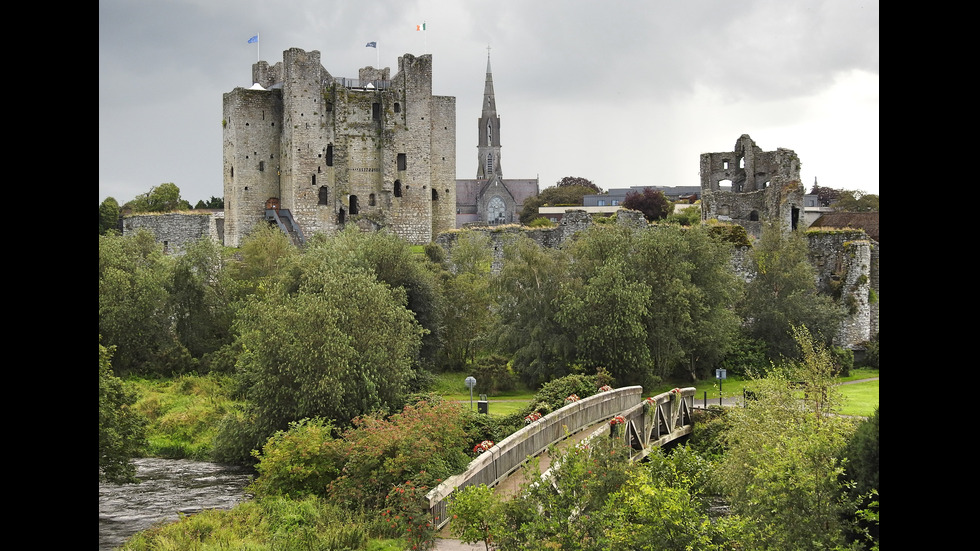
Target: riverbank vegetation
[(239, 350)]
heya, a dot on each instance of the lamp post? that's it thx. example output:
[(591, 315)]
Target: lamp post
[(470, 383)]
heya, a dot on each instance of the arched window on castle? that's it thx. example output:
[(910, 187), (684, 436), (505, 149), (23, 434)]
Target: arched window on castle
[(398, 188), (324, 195), (330, 155), (353, 205), (371, 200), (435, 194)]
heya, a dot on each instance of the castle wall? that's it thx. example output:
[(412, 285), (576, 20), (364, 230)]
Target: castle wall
[(848, 271), (177, 229)]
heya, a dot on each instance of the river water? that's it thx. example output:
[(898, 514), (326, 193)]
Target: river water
[(169, 487)]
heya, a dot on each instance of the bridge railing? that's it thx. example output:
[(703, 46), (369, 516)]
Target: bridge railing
[(511, 452), (658, 420)]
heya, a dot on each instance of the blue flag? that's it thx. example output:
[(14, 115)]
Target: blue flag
[(371, 45), (253, 39)]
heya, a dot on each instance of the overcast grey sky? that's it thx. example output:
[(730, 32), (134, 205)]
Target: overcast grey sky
[(621, 92)]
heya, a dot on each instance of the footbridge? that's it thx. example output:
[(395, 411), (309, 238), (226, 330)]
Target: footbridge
[(642, 424)]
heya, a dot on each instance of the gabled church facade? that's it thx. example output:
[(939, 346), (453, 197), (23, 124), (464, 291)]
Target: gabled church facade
[(490, 199)]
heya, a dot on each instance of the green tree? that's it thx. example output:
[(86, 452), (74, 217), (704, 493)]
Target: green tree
[(326, 339), (393, 263), (122, 430), (782, 294), (690, 216), (201, 298), (477, 515), (856, 201), (162, 198), (662, 295), (578, 181), (784, 465), (108, 215), (467, 310), (134, 313), (567, 510), (529, 289), (652, 203), (212, 203)]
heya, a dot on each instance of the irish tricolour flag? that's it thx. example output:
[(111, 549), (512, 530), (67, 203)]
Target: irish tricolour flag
[(420, 27)]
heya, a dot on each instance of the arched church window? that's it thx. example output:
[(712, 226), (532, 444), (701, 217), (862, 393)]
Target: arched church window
[(489, 164), (496, 211)]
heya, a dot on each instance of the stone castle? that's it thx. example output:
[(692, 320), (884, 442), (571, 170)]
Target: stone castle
[(312, 152)]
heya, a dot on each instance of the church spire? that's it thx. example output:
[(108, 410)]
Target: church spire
[(488, 145), (489, 106)]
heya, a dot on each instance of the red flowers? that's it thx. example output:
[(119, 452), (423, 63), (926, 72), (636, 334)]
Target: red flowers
[(617, 420), (605, 388), (483, 446), (572, 398), (532, 418)]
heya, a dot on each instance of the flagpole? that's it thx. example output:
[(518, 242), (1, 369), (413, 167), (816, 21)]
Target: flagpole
[(258, 48)]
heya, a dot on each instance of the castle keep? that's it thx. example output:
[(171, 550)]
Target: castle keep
[(311, 152)]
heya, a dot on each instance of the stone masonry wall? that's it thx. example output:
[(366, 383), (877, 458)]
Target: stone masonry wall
[(177, 229)]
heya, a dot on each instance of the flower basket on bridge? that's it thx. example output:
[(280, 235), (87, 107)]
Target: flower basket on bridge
[(615, 425), (605, 388), (572, 398), (483, 446), (532, 418)]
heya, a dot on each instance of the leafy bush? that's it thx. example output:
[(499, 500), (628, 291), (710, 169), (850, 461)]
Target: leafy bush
[(710, 426), (122, 430), (297, 462), (551, 395), (405, 513), (424, 443), (747, 356), (843, 360), (871, 352), (540, 222), (493, 375)]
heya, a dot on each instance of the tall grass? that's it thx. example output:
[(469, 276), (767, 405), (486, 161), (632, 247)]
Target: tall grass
[(183, 413)]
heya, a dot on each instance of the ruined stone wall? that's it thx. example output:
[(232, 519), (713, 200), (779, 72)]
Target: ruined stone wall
[(844, 265), (177, 229), (762, 186)]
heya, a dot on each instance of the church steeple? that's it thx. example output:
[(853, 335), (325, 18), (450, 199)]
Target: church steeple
[(488, 144)]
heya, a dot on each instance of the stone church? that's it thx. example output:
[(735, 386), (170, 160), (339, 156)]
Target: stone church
[(490, 199)]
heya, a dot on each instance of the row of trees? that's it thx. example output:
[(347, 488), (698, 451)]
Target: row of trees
[(353, 322)]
